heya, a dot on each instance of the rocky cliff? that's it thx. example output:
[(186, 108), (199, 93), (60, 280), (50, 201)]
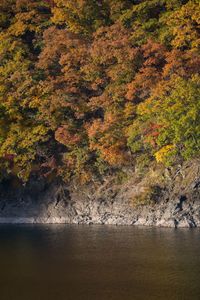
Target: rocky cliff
[(161, 197)]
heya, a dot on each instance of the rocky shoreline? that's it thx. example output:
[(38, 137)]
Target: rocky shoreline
[(161, 198)]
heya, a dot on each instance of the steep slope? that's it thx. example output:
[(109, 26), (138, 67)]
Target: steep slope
[(170, 198)]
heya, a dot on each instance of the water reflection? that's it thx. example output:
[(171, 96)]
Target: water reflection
[(56, 262)]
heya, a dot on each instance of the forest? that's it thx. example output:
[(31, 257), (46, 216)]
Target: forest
[(90, 86)]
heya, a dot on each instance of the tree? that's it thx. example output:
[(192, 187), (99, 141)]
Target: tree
[(170, 122), (87, 86)]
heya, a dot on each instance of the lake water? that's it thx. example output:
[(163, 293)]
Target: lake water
[(60, 262)]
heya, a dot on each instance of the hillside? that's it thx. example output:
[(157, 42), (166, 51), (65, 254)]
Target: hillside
[(165, 197), (95, 90), (89, 87)]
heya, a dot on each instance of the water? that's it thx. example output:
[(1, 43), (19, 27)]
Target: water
[(59, 262)]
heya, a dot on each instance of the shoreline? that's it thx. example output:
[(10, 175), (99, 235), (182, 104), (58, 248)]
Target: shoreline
[(136, 202)]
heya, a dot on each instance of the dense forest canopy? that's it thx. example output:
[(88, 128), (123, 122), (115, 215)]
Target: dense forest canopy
[(92, 85)]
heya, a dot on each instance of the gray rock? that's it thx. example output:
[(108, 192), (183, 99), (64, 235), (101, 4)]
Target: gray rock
[(175, 204)]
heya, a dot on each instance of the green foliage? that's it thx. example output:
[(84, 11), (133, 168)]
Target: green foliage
[(81, 16), (176, 113)]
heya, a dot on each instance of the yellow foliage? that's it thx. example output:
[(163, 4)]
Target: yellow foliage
[(163, 153)]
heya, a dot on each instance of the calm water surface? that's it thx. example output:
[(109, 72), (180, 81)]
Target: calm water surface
[(59, 262)]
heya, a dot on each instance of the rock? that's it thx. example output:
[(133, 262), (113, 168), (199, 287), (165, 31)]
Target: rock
[(176, 204)]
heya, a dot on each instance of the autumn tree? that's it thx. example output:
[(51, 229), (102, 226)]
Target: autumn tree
[(20, 130), (90, 86)]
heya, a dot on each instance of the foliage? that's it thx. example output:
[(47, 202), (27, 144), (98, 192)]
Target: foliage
[(170, 121), (87, 86)]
